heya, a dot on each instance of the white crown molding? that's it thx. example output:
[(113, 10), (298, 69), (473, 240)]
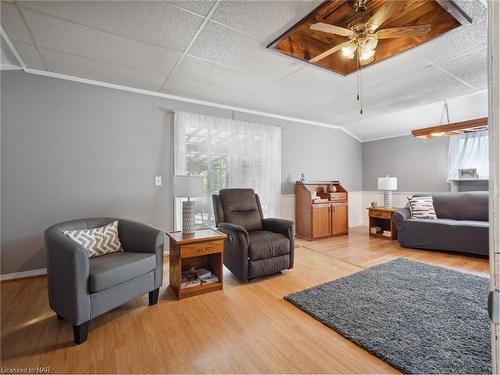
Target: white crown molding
[(12, 48), (10, 67), (183, 99), (386, 137), (20, 275)]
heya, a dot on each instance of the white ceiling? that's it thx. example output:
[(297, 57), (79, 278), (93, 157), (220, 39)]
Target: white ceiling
[(216, 51)]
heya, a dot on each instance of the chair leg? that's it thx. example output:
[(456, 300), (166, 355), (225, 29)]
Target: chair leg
[(153, 297), (81, 332)]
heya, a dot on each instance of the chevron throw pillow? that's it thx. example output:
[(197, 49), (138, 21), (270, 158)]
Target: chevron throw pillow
[(422, 208), (97, 241)]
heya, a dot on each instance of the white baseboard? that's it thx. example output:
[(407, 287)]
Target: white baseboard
[(20, 275)]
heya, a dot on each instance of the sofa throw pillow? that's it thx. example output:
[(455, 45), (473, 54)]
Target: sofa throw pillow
[(97, 241), (422, 208)]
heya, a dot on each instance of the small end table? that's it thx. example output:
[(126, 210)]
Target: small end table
[(204, 248), (382, 217)]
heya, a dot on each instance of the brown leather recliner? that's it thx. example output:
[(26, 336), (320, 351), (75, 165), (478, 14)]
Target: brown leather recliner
[(254, 246)]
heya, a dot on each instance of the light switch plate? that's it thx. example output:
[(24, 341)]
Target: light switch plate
[(158, 180)]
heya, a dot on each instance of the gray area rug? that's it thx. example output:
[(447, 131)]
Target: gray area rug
[(416, 317)]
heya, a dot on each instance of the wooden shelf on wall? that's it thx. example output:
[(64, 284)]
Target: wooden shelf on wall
[(453, 128)]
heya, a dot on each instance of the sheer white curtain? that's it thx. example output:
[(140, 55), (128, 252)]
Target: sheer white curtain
[(469, 150), (228, 153)]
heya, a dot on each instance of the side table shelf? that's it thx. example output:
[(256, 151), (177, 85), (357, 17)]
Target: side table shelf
[(204, 248), (382, 217)]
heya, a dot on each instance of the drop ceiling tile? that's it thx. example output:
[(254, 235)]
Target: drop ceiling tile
[(475, 9), (263, 19), (204, 80), (425, 86), (320, 115), (29, 55), (301, 90), (152, 22), (13, 24), (201, 7), (455, 43), (472, 68), (56, 34), (392, 68), (91, 69), (402, 122), (228, 47)]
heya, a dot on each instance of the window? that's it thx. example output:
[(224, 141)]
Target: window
[(228, 153), (469, 150)]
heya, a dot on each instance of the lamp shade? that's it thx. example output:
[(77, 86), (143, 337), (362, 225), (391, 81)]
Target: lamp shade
[(387, 183), (188, 186)]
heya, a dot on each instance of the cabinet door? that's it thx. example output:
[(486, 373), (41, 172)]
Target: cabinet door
[(339, 220), (321, 221)]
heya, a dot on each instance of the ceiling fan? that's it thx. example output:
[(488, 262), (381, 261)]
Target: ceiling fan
[(363, 36)]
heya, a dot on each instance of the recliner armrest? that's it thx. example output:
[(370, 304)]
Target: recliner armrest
[(282, 226), (234, 229)]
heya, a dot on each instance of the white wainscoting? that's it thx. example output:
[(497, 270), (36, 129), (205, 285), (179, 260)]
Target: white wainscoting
[(399, 199)]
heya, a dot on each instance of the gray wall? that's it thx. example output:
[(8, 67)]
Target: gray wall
[(321, 154), (72, 150), (418, 164)]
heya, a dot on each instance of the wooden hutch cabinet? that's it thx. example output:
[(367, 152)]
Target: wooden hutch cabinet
[(319, 212)]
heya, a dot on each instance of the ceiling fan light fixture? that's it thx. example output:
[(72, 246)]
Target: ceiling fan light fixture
[(370, 43), (366, 55), (348, 51)]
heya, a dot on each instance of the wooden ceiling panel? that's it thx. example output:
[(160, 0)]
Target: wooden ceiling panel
[(303, 43)]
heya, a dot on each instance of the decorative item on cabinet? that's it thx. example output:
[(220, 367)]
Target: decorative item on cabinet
[(321, 209)]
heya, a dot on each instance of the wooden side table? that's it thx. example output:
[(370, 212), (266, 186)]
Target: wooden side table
[(204, 248), (382, 217)]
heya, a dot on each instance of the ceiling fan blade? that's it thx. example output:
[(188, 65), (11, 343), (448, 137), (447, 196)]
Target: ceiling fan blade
[(403, 32), (337, 48), (331, 29), (390, 8)]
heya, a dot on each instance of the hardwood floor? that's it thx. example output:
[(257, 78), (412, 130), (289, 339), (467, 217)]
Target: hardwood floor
[(246, 328)]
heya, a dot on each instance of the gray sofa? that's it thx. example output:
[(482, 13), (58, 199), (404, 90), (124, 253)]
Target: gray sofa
[(254, 246), (462, 224), (82, 288)]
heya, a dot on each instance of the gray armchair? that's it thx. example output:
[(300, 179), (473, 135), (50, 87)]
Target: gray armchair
[(82, 288), (254, 246)]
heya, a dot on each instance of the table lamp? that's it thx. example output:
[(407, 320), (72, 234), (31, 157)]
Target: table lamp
[(387, 184), (188, 187)]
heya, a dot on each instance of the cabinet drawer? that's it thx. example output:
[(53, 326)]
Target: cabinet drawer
[(380, 214), (202, 248), (338, 196)]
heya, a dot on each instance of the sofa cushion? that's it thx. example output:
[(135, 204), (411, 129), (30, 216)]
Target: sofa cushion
[(465, 236), (264, 244), (471, 205), (111, 270), (241, 208)]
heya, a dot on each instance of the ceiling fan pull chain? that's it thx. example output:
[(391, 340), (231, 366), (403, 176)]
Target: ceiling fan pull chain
[(360, 86)]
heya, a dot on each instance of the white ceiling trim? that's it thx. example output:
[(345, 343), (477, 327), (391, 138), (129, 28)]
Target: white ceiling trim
[(66, 77), (10, 67), (11, 46)]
